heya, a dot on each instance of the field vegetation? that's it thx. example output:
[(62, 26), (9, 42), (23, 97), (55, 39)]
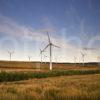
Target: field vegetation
[(21, 66), (17, 76), (34, 81), (77, 87)]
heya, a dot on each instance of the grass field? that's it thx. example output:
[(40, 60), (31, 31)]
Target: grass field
[(84, 87), (36, 66), (30, 81)]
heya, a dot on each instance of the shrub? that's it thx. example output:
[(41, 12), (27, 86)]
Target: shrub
[(17, 76)]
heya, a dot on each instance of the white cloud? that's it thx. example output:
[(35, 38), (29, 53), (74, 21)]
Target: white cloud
[(11, 27)]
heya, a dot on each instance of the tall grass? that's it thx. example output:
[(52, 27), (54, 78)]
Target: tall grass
[(84, 87), (17, 76)]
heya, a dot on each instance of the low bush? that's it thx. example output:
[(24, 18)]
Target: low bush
[(17, 76)]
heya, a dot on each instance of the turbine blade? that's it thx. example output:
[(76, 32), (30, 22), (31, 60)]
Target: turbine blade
[(48, 37), (40, 51), (89, 48), (83, 54), (55, 46), (45, 47)]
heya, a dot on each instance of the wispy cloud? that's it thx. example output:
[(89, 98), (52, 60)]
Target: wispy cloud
[(11, 27)]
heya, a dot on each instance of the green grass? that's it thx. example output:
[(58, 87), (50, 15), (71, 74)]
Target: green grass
[(17, 76)]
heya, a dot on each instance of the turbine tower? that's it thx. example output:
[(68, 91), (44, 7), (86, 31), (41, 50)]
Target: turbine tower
[(10, 54), (50, 45)]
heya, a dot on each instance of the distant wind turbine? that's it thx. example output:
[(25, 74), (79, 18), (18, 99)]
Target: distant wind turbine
[(50, 49), (10, 54), (41, 52), (83, 57), (87, 49), (29, 57)]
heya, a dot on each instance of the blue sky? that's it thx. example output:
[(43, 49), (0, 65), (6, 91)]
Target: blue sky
[(72, 24)]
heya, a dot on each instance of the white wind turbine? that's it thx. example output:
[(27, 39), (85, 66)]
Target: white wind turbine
[(10, 54), (50, 49), (29, 57), (83, 57), (86, 49), (41, 52)]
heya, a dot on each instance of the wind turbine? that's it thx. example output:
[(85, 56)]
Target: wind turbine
[(10, 54), (41, 52), (50, 49), (29, 57), (83, 56), (86, 49)]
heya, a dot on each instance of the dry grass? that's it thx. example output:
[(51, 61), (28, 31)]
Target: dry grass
[(10, 66), (76, 87), (84, 87)]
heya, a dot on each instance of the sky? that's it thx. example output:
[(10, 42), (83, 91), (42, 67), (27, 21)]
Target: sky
[(72, 25)]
